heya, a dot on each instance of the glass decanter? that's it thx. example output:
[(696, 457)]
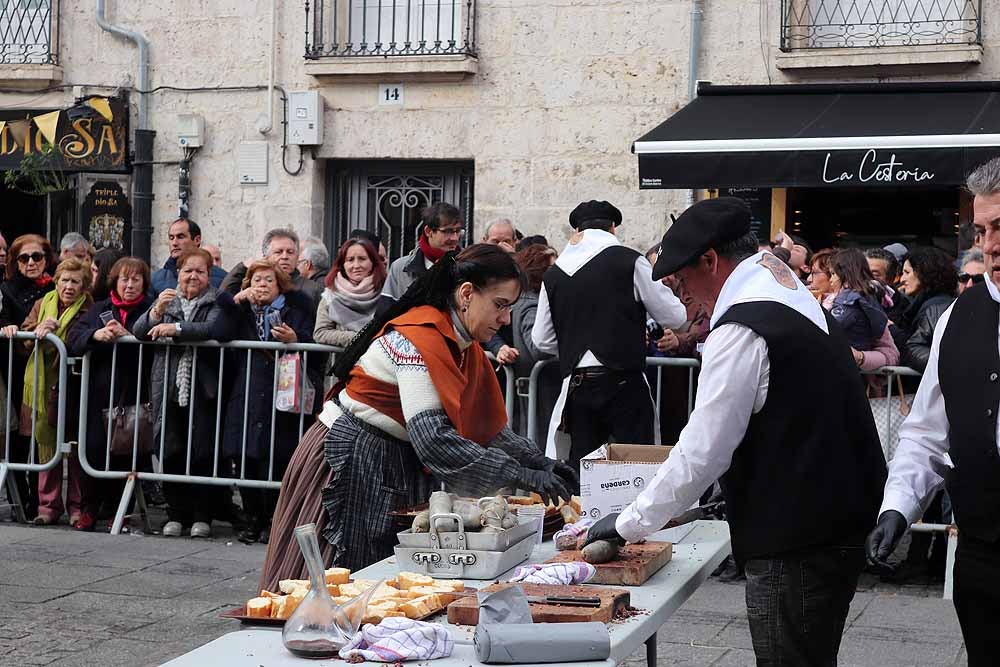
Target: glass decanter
[(319, 627)]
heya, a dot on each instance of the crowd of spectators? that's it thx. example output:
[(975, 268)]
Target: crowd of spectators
[(887, 301)]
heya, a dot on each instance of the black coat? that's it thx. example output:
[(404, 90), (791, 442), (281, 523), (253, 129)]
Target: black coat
[(921, 318), (299, 314), (79, 341), (19, 296)]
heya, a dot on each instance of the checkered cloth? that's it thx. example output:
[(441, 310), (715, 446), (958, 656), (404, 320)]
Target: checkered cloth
[(555, 573), (399, 640)]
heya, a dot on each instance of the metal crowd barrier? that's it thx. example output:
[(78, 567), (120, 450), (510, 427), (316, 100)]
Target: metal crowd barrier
[(134, 474), (31, 464)]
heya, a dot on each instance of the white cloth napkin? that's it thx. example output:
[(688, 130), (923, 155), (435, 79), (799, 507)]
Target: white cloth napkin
[(576, 572), (398, 640)]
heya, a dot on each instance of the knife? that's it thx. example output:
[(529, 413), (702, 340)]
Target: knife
[(706, 511), (558, 600)]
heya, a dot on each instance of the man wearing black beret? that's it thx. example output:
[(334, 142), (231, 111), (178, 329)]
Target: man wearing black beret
[(800, 462), (592, 313)]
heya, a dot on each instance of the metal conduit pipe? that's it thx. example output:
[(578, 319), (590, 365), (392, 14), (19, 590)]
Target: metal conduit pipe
[(694, 47), (143, 45)]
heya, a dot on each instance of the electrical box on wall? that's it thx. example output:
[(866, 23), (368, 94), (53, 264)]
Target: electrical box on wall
[(253, 162), (190, 130), (305, 118)]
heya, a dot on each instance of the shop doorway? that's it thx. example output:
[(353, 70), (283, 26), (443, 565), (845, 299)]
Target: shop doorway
[(51, 215), (868, 217)]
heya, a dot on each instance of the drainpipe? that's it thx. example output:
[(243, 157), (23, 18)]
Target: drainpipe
[(266, 129), (142, 187), (697, 15)]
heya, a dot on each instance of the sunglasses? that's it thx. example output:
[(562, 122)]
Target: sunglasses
[(976, 278), (35, 257)]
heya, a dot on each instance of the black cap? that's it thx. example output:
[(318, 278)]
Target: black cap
[(594, 210), (707, 224)]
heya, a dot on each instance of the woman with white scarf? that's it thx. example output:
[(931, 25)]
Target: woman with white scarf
[(352, 292), (186, 314)]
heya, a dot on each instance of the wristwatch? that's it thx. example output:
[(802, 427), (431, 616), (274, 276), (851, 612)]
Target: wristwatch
[(177, 327)]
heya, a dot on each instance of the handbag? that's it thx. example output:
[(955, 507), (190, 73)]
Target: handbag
[(889, 414), (123, 425), (290, 396)]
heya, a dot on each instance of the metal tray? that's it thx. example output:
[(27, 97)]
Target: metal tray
[(464, 563), (462, 540)]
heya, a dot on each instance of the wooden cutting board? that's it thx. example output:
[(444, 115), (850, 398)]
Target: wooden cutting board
[(465, 611), (635, 563)]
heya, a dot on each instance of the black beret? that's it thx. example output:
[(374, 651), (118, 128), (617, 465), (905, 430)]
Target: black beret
[(594, 210), (707, 224)]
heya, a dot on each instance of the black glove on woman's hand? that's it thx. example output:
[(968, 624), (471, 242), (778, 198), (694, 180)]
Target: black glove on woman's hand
[(883, 539), (565, 471), (605, 529), (546, 484)]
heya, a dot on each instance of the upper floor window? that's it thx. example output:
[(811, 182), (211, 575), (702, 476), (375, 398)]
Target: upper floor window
[(815, 24), (28, 32), (345, 28)]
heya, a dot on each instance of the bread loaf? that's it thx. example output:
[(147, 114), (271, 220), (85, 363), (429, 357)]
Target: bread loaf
[(259, 607), (337, 575)]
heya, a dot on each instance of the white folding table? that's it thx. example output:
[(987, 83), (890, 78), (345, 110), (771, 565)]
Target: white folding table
[(698, 549)]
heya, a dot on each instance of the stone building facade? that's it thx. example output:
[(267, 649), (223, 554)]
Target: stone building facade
[(537, 114)]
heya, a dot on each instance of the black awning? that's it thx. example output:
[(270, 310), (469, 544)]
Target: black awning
[(848, 135)]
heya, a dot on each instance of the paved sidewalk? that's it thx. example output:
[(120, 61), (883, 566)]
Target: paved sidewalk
[(89, 599)]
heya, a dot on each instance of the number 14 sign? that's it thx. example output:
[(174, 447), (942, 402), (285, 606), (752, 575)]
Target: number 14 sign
[(390, 94)]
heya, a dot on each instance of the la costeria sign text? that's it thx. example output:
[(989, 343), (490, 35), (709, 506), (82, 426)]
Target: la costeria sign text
[(873, 169), (82, 144)]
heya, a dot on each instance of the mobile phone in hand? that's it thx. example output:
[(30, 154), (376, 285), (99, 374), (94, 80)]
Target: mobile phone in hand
[(107, 317)]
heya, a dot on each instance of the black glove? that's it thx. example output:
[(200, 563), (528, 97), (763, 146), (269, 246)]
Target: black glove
[(546, 484), (883, 539), (605, 529), (566, 472)]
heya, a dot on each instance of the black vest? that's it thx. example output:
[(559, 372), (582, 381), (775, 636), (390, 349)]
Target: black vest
[(969, 375), (595, 309), (809, 471)]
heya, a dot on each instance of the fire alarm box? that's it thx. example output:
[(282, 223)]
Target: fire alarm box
[(305, 118)]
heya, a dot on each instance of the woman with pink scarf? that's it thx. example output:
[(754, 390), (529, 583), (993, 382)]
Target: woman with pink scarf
[(352, 290)]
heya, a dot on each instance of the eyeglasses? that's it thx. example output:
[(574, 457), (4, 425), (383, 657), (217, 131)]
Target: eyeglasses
[(976, 278), (35, 257), (453, 231), (501, 306)]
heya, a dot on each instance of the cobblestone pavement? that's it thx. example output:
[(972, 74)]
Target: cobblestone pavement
[(88, 599)]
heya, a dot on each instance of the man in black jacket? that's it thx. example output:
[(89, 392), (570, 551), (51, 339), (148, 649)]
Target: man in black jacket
[(950, 439), (801, 474)]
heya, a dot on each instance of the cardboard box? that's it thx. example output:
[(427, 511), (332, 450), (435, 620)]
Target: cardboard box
[(613, 476)]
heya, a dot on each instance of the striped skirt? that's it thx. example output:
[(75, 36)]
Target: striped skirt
[(372, 474)]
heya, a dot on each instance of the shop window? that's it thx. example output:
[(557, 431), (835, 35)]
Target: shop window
[(820, 24), (26, 32), (386, 196)]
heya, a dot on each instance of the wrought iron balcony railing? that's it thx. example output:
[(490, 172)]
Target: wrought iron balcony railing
[(355, 28), (813, 24), (29, 32)]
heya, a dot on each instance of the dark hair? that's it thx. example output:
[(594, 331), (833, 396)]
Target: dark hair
[(534, 239), (104, 259), (366, 235), (128, 265), (378, 268), (851, 267), (891, 263), (740, 248), (534, 261), (597, 223), (482, 264), (194, 230), (434, 215), (798, 240), (20, 242), (935, 270), (823, 260)]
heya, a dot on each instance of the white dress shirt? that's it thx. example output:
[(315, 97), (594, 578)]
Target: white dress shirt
[(921, 464), (732, 386)]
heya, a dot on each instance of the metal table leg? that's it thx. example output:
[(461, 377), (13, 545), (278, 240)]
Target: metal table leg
[(651, 651)]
